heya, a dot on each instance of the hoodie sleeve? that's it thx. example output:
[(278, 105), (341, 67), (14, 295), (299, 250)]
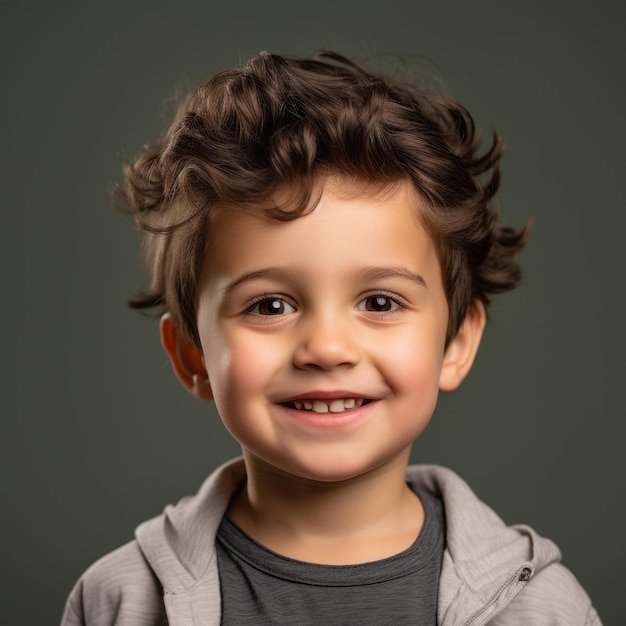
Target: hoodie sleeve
[(120, 588)]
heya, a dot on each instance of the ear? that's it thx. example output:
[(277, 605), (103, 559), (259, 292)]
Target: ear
[(186, 360), (461, 351)]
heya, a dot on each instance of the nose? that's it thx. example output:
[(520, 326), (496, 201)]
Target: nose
[(326, 343)]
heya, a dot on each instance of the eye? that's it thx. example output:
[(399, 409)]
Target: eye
[(379, 303), (271, 305)]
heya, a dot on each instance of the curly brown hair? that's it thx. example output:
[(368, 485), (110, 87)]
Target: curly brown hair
[(283, 123)]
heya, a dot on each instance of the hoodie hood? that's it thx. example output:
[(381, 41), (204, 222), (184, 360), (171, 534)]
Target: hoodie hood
[(179, 546), (485, 565)]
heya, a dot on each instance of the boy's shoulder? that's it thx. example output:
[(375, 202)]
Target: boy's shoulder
[(120, 587), (487, 564), (490, 573), (168, 570)]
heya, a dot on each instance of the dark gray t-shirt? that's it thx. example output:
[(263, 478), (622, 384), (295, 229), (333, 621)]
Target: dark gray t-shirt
[(259, 586)]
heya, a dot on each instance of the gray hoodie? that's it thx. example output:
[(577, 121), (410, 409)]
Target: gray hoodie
[(491, 573)]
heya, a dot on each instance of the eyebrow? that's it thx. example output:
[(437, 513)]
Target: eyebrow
[(368, 273), (373, 273), (267, 272)]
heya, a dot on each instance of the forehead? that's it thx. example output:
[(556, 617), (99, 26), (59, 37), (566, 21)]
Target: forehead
[(348, 228)]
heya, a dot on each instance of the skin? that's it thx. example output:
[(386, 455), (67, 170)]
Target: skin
[(345, 303)]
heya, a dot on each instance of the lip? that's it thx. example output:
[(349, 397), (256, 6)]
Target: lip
[(326, 396), (328, 420)]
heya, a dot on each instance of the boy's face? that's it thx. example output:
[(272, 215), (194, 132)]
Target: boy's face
[(323, 337)]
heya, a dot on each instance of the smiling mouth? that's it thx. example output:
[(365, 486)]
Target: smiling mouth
[(338, 405)]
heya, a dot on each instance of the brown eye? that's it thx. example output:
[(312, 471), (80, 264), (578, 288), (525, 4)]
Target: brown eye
[(272, 306), (379, 303)]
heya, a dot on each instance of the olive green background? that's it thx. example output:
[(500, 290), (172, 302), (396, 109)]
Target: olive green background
[(97, 435)]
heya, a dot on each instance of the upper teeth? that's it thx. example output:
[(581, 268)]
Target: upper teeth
[(332, 406)]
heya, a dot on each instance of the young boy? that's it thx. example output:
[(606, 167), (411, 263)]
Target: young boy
[(322, 244)]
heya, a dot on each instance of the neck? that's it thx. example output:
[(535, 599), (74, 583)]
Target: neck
[(366, 518)]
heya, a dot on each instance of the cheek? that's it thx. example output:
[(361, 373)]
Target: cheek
[(241, 372), (413, 360), (239, 366)]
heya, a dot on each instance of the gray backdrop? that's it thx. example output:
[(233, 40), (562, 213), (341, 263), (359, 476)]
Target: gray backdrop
[(98, 435)]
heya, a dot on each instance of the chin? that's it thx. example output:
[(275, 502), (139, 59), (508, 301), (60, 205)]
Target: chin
[(326, 469)]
